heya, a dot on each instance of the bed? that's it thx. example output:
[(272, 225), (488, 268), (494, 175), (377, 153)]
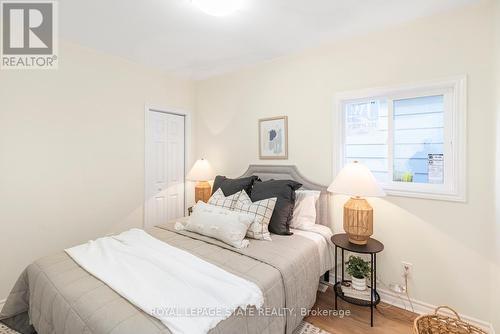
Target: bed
[(55, 295)]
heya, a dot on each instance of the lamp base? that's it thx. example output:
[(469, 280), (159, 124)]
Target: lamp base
[(202, 191), (358, 220)]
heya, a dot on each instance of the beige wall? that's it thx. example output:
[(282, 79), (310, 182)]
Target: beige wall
[(72, 152), (495, 297), (449, 244), (77, 131)]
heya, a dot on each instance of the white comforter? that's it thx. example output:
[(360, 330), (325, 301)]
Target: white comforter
[(321, 235), (187, 294)]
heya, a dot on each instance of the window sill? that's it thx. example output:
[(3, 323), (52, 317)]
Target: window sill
[(448, 196)]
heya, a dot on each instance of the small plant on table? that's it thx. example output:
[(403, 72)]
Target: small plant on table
[(359, 270)]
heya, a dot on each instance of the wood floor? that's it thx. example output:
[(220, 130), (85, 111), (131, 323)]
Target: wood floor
[(387, 319)]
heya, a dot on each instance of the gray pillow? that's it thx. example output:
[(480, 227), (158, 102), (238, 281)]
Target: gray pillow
[(232, 186), (284, 191)]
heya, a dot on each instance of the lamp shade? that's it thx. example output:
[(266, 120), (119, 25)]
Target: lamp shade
[(201, 171), (355, 179)]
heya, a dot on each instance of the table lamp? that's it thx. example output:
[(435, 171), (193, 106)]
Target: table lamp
[(357, 181), (201, 172)]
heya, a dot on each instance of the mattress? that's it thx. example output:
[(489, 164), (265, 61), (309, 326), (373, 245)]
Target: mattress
[(55, 295)]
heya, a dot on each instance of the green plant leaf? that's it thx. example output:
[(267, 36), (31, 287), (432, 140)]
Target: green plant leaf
[(357, 267)]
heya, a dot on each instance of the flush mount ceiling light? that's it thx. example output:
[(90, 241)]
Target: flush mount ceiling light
[(219, 7)]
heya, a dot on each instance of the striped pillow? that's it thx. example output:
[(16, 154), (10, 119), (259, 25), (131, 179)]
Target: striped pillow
[(261, 211), (219, 199)]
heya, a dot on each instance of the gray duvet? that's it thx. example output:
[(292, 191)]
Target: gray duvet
[(55, 295)]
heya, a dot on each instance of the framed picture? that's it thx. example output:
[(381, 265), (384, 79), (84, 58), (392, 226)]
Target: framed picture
[(273, 138)]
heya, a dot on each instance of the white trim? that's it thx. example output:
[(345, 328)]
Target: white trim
[(187, 145), (450, 191), (421, 307)]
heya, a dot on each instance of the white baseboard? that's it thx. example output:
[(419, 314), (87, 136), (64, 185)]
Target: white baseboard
[(420, 307)]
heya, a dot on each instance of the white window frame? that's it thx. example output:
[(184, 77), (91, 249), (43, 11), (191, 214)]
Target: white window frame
[(455, 135)]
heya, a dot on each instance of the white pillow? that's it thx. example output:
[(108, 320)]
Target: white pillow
[(219, 199), (261, 211), (219, 223), (304, 211)]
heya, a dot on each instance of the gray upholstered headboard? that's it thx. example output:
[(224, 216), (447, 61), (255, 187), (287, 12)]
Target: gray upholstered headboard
[(290, 172)]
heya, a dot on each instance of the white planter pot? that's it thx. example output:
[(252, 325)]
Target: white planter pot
[(359, 283)]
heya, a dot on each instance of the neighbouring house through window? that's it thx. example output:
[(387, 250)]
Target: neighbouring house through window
[(412, 137)]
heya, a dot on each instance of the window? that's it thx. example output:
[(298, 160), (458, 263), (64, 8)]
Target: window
[(412, 138)]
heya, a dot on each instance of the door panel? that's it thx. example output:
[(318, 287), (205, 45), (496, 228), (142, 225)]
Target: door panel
[(159, 161), (165, 149)]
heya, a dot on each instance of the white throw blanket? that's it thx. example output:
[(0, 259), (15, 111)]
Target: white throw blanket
[(187, 294)]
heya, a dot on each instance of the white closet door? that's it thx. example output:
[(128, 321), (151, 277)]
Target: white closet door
[(165, 148)]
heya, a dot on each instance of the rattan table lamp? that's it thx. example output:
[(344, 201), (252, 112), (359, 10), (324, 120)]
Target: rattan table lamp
[(356, 180), (201, 172)]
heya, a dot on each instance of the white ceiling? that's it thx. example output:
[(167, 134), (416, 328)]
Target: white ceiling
[(173, 35)]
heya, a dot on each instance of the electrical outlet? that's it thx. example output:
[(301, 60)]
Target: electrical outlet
[(397, 288), (407, 268)]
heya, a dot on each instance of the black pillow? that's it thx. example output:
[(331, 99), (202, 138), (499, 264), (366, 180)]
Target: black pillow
[(284, 191), (232, 186)]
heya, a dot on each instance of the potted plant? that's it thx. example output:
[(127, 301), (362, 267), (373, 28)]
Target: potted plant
[(359, 270)]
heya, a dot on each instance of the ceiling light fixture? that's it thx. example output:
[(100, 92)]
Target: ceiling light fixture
[(219, 7)]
